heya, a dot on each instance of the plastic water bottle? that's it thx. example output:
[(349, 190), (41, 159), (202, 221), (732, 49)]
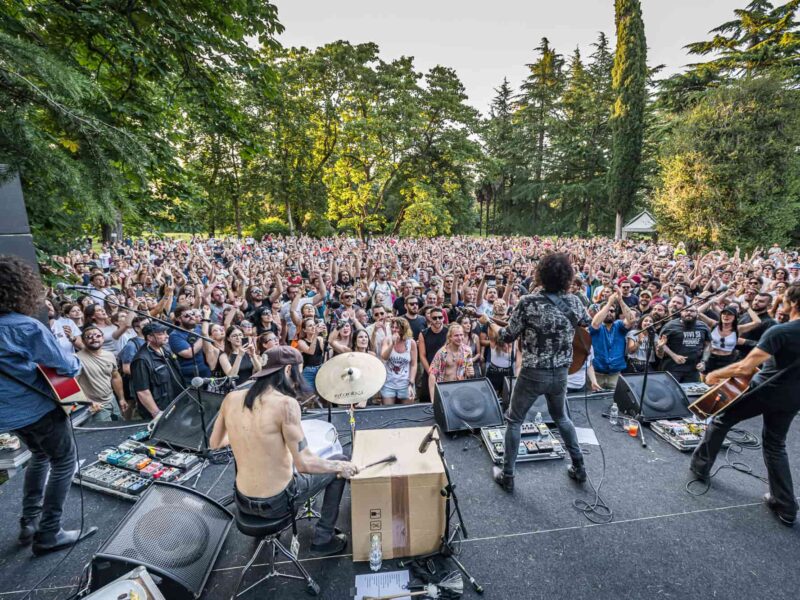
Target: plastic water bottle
[(538, 419), (613, 414), (375, 553)]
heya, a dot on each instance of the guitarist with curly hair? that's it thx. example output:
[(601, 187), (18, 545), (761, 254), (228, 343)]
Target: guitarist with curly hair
[(28, 410)]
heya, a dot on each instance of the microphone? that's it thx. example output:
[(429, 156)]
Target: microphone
[(426, 441), (61, 286), (198, 382)]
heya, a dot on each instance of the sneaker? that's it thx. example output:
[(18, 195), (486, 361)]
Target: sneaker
[(577, 472), (504, 481), (333, 546), (784, 519)]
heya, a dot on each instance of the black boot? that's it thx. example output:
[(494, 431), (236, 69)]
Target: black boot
[(577, 471), (59, 541), (784, 519), (27, 529), (504, 481)]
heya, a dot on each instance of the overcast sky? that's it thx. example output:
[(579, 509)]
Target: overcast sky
[(485, 41)]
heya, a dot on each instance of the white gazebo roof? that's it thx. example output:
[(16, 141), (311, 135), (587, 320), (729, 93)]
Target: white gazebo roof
[(644, 222)]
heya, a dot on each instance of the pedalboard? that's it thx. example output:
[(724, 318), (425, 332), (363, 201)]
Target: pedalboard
[(683, 434), (537, 443), (130, 468)]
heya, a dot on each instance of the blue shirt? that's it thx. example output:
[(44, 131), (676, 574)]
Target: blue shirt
[(24, 343), (609, 347), (179, 341)]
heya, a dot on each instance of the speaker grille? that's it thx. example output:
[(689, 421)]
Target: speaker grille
[(175, 530), (665, 397), (468, 404)]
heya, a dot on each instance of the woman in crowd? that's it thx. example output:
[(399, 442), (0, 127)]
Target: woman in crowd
[(213, 351), (96, 315), (725, 334), (240, 359), (68, 326), (399, 354), (498, 361), (473, 341), (341, 338), (638, 346), (311, 344)]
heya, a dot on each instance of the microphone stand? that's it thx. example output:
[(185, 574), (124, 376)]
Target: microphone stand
[(651, 336), (447, 549)]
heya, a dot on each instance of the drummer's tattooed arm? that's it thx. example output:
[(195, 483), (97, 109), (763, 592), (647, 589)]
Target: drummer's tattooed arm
[(302, 445), (292, 417)]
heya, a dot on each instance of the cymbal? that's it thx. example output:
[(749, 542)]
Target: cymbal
[(350, 378)]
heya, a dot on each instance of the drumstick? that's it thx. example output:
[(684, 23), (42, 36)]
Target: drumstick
[(389, 459)]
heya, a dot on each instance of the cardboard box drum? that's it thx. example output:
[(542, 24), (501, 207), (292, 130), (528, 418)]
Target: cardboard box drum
[(402, 501)]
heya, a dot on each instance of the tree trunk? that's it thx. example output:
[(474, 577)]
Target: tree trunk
[(237, 215), (618, 227), (289, 218)]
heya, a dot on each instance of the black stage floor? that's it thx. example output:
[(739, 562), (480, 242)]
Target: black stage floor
[(662, 543)]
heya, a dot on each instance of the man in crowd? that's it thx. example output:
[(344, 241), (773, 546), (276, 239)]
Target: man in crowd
[(187, 344), (155, 375), (761, 304), (429, 342), (99, 377), (608, 340), (682, 344)]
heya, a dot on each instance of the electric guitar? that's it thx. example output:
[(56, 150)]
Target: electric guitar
[(67, 390)]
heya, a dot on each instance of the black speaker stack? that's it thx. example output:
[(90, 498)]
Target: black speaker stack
[(665, 398)]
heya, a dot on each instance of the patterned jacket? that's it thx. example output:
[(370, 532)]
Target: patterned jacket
[(546, 332)]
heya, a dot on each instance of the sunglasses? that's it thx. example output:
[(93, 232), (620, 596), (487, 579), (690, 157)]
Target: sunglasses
[(437, 318)]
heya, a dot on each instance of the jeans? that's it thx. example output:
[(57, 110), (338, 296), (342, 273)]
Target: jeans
[(52, 451), (778, 411), (302, 487), (309, 374), (530, 384)]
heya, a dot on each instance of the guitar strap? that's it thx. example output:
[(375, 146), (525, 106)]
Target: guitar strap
[(559, 303), (29, 386)]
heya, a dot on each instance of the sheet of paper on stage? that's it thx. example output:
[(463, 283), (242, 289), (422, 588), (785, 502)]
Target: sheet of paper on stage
[(382, 584), (586, 436)]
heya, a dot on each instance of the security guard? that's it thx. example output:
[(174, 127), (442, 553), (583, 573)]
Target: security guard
[(155, 375)]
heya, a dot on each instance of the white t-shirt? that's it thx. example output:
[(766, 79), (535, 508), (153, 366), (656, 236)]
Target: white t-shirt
[(58, 330), (577, 380)]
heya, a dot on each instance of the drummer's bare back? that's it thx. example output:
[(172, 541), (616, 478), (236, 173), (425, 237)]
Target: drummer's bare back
[(263, 462)]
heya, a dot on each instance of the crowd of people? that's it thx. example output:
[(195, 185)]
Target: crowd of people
[(414, 304)]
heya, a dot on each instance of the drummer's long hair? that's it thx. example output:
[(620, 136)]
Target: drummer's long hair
[(290, 385)]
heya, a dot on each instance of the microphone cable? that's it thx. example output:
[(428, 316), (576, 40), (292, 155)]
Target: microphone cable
[(597, 511)]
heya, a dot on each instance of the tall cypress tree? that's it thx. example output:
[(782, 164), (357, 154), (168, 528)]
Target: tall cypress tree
[(629, 80)]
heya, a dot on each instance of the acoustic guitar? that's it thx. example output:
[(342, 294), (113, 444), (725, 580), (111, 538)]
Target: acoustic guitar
[(581, 341), (720, 397)]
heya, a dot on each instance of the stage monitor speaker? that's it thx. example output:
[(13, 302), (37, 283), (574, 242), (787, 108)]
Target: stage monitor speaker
[(539, 406), (466, 405), (181, 425), (174, 532), (665, 396)]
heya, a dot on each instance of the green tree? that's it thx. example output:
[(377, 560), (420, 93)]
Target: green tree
[(540, 94), (629, 81), (730, 170)]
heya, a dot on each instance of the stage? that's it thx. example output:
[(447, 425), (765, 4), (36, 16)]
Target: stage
[(662, 543)]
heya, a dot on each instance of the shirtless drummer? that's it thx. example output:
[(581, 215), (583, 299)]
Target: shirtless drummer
[(262, 426)]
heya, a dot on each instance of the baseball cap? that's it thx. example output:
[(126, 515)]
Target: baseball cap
[(151, 328), (277, 358)]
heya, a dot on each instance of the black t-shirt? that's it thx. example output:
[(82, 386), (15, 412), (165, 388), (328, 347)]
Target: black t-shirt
[(433, 341), (783, 343), (753, 336), (417, 324), (399, 306), (686, 341)]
